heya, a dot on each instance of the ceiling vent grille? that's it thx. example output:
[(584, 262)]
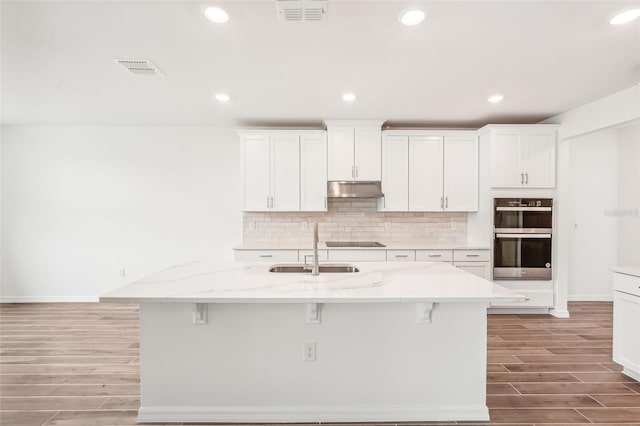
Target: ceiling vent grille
[(302, 10), (140, 66)]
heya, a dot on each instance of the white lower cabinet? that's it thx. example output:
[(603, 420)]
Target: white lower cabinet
[(266, 255), (476, 262), (626, 323), (401, 255), (357, 255), (434, 256), (538, 294), (481, 269)]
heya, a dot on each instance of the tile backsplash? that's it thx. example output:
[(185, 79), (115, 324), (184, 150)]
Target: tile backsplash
[(355, 220)]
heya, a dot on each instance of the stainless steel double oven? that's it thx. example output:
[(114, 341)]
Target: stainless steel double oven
[(522, 239)]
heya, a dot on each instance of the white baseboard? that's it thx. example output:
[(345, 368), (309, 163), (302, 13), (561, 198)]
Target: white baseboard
[(49, 299), (559, 313), (590, 298), (630, 373), (517, 311), (313, 414)]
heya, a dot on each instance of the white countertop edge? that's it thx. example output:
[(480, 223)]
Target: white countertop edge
[(627, 270), (389, 246)]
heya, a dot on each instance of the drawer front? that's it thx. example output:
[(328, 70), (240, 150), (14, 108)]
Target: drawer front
[(401, 255), (534, 299), (322, 255), (626, 284), (480, 269), (267, 255), (434, 256), (358, 255), (471, 255)]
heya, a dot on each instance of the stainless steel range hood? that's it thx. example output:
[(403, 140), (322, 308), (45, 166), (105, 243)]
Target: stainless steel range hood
[(341, 189)]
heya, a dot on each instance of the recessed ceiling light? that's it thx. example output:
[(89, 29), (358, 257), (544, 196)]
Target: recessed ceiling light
[(412, 17), (222, 97), (349, 97), (494, 99), (624, 17), (217, 15)]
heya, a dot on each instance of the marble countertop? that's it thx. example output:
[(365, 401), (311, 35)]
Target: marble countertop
[(388, 246), (627, 270), (250, 282)]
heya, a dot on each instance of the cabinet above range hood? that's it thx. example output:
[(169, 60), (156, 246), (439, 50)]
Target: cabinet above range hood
[(346, 189)]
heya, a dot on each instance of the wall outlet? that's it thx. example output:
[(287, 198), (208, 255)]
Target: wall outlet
[(310, 351), (123, 272)]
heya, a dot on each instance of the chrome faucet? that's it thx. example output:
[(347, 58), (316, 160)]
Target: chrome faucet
[(316, 267)]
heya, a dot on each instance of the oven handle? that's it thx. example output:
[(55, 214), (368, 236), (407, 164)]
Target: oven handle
[(522, 231), (523, 209), (521, 236)]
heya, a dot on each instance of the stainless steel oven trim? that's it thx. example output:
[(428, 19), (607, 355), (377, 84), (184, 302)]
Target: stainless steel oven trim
[(522, 274), (522, 236), (523, 230), (523, 209)]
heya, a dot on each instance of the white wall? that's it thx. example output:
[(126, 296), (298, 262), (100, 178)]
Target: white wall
[(628, 213), (593, 229), (80, 203)]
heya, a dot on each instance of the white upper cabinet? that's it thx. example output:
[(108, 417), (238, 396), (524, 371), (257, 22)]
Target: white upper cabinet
[(256, 162), (426, 173), (284, 170), (395, 173), (354, 150), (313, 171), (460, 174), (522, 156), (422, 171)]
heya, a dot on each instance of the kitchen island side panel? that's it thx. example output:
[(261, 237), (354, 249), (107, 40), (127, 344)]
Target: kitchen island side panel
[(374, 362)]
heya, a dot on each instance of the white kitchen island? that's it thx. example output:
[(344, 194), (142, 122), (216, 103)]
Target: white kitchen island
[(232, 342)]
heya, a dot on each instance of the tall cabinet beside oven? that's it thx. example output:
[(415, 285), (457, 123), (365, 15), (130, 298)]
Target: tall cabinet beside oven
[(626, 319)]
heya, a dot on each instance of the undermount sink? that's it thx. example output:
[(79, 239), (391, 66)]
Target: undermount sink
[(306, 269)]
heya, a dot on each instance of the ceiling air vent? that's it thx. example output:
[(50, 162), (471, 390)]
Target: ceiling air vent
[(140, 66), (302, 10)]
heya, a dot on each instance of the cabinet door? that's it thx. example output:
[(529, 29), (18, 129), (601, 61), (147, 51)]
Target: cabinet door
[(341, 153), (395, 173), (461, 174), (313, 172), (539, 159), (285, 173), (626, 330), (256, 184), (368, 153), (481, 269), (506, 168), (425, 173)]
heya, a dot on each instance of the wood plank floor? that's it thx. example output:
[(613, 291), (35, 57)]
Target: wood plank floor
[(77, 364)]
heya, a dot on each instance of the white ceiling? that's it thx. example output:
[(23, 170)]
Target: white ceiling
[(546, 57)]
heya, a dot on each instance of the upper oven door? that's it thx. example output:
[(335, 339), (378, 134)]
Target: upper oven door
[(523, 219)]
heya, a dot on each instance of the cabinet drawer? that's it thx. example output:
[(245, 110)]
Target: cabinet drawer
[(434, 255), (471, 255), (401, 255), (626, 284), (322, 255), (358, 255), (534, 299), (267, 255)]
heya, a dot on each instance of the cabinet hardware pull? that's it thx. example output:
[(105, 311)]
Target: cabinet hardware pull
[(473, 255), (526, 178), (441, 202), (435, 255), (446, 202), (325, 201), (266, 255), (521, 178), (402, 255)]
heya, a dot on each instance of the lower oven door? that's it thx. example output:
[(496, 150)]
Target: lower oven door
[(522, 257)]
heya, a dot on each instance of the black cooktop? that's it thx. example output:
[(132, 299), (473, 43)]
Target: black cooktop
[(354, 244)]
